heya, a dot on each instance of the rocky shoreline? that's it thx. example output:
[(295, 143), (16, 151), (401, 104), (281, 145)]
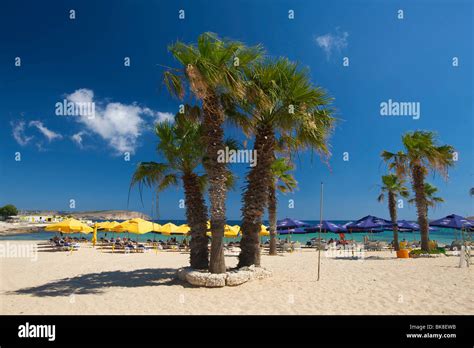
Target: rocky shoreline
[(8, 229)]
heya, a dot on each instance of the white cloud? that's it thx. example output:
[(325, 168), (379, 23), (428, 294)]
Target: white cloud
[(332, 42), (163, 117), (77, 138), (120, 125), (49, 134), (19, 133), (82, 95)]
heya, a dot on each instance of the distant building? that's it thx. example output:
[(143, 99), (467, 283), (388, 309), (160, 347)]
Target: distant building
[(39, 218)]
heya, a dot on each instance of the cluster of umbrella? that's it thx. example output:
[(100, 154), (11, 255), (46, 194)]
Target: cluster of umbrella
[(137, 226), (370, 223), (286, 226), (292, 226)]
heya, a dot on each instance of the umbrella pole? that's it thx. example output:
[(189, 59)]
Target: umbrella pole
[(320, 226)]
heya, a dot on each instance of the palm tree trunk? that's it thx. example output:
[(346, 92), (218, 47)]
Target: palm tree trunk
[(196, 214), (392, 207), (272, 210), (422, 211), (255, 197), (217, 173)]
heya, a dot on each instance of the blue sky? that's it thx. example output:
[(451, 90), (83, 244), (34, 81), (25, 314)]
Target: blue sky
[(65, 158)]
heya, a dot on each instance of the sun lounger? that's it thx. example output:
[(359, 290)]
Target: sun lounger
[(371, 246), (68, 246), (143, 248)]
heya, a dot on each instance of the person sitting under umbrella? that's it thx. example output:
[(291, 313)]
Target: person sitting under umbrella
[(342, 238)]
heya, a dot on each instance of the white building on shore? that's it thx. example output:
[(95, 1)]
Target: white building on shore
[(39, 218)]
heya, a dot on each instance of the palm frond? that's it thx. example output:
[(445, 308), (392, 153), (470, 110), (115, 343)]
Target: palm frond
[(149, 174), (174, 84)]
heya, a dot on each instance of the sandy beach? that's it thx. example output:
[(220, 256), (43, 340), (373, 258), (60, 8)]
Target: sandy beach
[(92, 281)]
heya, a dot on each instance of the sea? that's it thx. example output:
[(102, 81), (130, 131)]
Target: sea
[(441, 235)]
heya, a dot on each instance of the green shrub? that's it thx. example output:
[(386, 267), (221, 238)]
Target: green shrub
[(8, 210), (417, 252)]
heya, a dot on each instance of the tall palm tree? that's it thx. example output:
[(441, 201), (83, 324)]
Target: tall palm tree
[(180, 145), (431, 199), (280, 99), (422, 155), (284, 182), (393, 186), (212, 68)]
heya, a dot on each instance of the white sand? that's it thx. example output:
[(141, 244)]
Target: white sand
[(91, 281)]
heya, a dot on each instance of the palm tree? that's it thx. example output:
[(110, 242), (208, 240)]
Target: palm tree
[(431, 199), (180, 145), (211, 69), (393, 186), (422, 155), (280, 100), (284, 182)]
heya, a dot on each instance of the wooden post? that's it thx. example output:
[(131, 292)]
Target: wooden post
[(320, 227)]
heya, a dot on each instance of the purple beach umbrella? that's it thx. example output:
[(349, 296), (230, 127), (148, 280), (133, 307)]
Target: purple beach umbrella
[(453, 221), (410, 226), (407, 225), (290, 224), (369, 223), (297, 230), (328, 226)]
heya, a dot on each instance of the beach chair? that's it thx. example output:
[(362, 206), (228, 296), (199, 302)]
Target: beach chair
[(371, 246), (143, 248), (57, 245), (68, 246), (297, 246)]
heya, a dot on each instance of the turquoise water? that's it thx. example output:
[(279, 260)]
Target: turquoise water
[(445, 236)]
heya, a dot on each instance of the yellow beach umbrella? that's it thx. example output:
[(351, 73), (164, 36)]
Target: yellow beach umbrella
[(110, 225), (264, 231), (229, 232), (102, 225), (137, 226), (167, 229), (94, 236), (107, 225), (69, 226), (119, 228), (156, 227), (182, 229)]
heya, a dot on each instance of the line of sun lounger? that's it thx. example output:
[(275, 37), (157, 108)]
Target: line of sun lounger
[(65, 245)]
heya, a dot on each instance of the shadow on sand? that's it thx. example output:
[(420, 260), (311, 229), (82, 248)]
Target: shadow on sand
[(96, 283), (368, 258)]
